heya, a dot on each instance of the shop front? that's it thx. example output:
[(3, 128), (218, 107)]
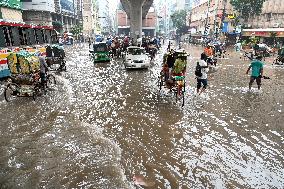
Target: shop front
[(279, 32), (19, 34), (270, 36)]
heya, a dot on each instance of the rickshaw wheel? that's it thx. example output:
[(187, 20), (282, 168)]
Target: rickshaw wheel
[(160, 82), (10, 92), (63, 68)]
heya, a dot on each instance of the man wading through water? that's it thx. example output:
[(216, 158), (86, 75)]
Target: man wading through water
[(201, 74), (256, 67)]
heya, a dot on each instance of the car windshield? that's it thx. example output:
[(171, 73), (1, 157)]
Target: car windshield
[(100, 47), (135, 51)]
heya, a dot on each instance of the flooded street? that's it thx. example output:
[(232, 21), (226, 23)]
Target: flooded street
[(101, 125)]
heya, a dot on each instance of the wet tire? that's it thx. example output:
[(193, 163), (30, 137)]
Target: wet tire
[(176, 94), (34, 95), (160, 84), (183, 94), (64, 65), (10, 92)]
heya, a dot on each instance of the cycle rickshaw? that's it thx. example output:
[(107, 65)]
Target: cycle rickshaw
[(55, 55), (25, 79), (280, 57), (175, 80)]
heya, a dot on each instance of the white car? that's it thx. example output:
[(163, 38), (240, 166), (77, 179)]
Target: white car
[(136, 57)]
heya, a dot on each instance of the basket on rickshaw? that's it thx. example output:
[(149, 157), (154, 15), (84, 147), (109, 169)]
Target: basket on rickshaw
[(55, 57)]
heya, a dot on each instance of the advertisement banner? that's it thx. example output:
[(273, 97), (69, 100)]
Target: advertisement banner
[(14, 4), (67, 5), (225, 27)]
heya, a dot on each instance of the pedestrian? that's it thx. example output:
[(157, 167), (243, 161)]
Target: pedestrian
[(256, 67), (171, 60), (201, 74), (43, 69), (169, 46), (89, 42), (238, 46)]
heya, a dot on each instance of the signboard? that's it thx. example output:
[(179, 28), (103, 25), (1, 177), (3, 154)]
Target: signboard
[(14, 4), (67, 5), (225, 27), (40, 5), (262, 33)]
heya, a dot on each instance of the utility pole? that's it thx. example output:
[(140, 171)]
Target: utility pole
[(223, 15), (215, 23), (206, 21)]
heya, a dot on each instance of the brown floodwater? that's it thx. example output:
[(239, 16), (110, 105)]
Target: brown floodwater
[(101, 125)]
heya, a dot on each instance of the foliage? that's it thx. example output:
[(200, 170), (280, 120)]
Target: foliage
[(248, 8), (57, 24), (273, 35), (77, 29), (179, 21)]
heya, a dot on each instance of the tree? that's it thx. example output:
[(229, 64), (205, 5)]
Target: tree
[(247, 8), (179, 21), (273, 35), (77, 29)]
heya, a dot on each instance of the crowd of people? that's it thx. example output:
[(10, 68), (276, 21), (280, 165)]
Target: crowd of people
[(175, 65), (117, 45)]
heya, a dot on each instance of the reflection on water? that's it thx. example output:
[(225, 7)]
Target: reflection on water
[(102, 125)]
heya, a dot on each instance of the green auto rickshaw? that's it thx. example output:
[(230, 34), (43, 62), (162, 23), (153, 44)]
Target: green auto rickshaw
[(100, 52)]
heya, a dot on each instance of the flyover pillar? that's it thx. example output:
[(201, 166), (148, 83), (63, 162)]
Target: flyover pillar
[(136, 19)]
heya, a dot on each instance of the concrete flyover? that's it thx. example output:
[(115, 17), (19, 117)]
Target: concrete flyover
[(136, 10)]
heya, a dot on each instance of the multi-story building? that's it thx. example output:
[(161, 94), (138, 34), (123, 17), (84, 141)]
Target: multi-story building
[(89, 17), (207, 17), (66, 14), (268, 23), (38, 12), (165, 8), (104, 16), (272, 16)]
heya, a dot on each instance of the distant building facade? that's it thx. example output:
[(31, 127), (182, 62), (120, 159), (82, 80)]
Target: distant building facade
[(272, 16), (66, 14), (89, 17), (148, 23), (104, 18), (207, 17), (38, 12)]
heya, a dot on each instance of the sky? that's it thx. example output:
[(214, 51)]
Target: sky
[(113, 5)]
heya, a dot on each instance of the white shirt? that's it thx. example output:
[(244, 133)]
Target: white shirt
[(203, 70)]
